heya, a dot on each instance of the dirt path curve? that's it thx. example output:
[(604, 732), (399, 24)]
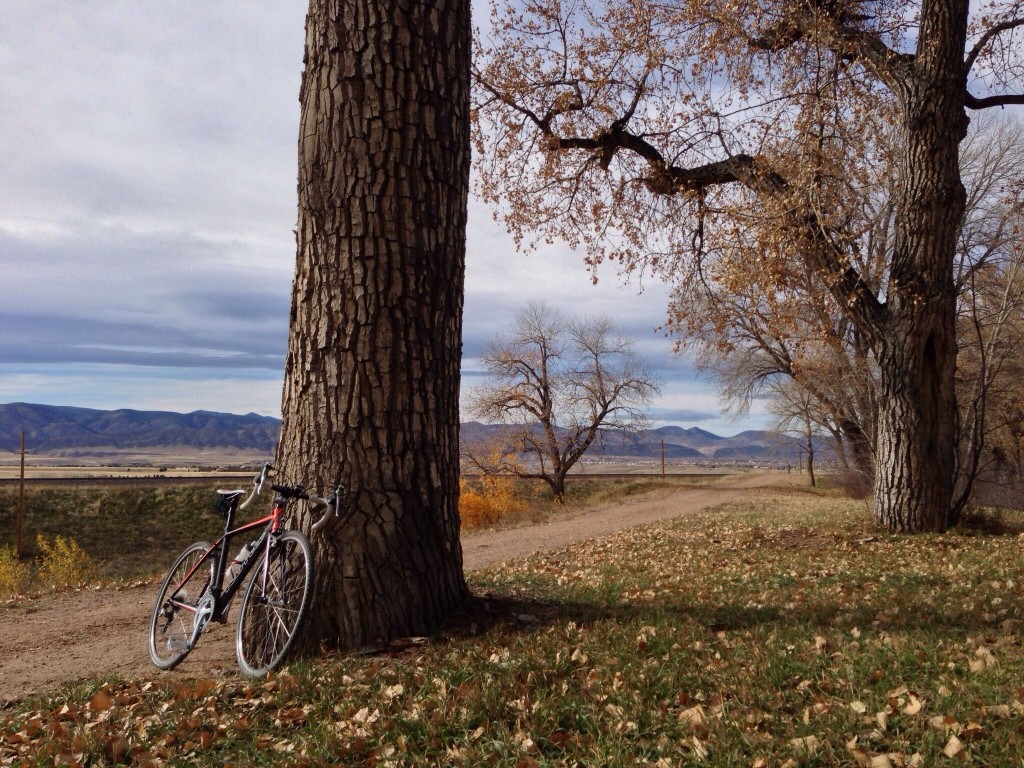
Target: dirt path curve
[(67, 637)]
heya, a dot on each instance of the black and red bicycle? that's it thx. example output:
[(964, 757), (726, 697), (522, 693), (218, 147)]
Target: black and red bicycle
[(201, 584)]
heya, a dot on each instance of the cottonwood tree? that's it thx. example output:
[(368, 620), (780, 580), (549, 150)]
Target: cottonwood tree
[(749, 337), (651, 131), (371, 387), (557, 385)]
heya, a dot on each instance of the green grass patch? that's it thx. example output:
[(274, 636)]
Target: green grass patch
[(786, 628), (129, 532)]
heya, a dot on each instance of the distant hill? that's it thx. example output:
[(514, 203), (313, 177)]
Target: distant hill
[(56, 429), (50, 428), (680, 443)]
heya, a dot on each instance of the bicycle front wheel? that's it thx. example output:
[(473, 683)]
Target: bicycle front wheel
[(177, 604), (275, 603)]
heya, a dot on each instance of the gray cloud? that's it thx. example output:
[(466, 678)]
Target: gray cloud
[(147, 202), (34, 339), (684, 415)]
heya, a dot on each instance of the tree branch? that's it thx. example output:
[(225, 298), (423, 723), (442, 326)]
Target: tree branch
[(817, 20), (986, 38), (975, 102)]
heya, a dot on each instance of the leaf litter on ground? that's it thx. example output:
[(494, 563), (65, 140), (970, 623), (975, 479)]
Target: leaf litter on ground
[(782, 629)]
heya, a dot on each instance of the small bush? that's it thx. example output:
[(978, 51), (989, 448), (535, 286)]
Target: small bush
[(14, 574), (496, 499), (64, 564), (853, 484), (987, 520)]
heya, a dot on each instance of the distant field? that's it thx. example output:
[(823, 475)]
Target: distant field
[(112, 462), (130, 531), (221, 464), (156, 464)]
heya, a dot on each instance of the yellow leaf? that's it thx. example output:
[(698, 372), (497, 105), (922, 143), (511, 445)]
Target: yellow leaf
[(808, 744), (953, 747), (913, 707), (699, 750), (694, 715), (944, 723)]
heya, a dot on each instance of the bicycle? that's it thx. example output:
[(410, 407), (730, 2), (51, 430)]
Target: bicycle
[(275, 602)]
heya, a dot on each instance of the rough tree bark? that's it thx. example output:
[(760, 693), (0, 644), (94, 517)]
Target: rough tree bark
[(916, 349), (371, 391)]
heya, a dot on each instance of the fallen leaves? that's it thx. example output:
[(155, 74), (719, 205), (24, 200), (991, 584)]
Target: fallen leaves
[(668, 645)]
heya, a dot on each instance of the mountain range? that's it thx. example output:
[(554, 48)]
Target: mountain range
[(50, 428), (693, 444), (53, 429)]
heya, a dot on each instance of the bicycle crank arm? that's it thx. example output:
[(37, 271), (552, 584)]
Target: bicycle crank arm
[(204, 612)]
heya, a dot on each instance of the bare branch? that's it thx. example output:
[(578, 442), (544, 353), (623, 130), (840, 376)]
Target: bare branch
[(989, 35)]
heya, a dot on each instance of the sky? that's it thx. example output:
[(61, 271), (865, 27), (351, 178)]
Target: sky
[(147, 207)]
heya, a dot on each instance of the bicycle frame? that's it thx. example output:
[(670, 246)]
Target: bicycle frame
[(200, 586), (222, 595)]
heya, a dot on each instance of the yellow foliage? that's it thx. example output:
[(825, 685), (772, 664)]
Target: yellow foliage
[(14, 574), (65, 564), (496, 499)]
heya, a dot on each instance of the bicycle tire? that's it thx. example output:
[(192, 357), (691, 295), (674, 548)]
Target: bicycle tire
[(274, 607), (170, 628)]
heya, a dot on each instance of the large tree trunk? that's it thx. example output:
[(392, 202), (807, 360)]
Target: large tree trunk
[(916, 424), (917, 356), (371, 392)]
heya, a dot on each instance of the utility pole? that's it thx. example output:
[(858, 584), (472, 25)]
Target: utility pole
[(662, 458), (21, 498)]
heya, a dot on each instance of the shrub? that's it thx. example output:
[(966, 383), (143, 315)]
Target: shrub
[(64, 564), (14, 574), (496, 499), (988, 520), (853, 484)]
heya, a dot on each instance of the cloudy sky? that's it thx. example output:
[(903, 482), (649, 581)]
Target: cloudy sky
[(147, 202)]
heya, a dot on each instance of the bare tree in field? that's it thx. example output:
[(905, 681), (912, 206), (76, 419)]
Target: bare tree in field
[(798, 412), (661, 134), (371, 390), (558, 384)]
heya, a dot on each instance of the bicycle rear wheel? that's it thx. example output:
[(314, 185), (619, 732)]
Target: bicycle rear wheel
[(275, 605), (174, 613)]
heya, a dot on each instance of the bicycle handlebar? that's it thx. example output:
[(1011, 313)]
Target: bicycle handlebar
[(331, 502), (257, 485), (295, 492)]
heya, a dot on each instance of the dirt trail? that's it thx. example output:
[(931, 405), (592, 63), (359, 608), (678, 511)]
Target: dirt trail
[(68, 637)]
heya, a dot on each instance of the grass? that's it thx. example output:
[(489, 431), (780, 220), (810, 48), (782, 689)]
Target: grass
[(151, 524), (783, 631), (130, 532)]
